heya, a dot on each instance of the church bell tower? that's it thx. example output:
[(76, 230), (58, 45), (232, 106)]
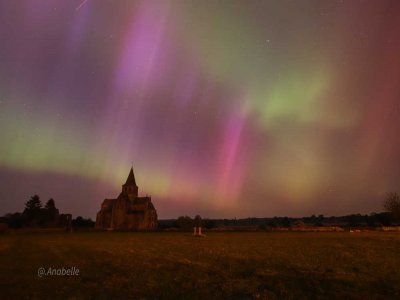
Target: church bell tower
[(130, 188)]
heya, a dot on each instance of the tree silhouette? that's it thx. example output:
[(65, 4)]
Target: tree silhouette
[(392, 204), (33, 204), (50, 211), (197, 221), (50, 204), (32, 210)]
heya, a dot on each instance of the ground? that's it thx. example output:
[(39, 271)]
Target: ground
[(231, 265)]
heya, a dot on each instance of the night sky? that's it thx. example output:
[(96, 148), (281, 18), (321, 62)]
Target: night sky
[(224, 108)]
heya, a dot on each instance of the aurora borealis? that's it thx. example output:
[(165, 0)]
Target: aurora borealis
[(225, 108)]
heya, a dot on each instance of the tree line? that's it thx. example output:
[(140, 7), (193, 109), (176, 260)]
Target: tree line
[(37, 214), (390, 217)]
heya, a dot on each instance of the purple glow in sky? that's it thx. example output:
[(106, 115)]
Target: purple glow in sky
[(224, 108)]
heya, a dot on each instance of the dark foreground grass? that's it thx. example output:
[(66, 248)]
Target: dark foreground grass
[(259, 265)]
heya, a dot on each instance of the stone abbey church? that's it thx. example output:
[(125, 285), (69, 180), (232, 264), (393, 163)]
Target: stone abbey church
[(128, 211)]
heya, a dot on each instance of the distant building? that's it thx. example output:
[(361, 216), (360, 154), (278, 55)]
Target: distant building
[(128, 211)]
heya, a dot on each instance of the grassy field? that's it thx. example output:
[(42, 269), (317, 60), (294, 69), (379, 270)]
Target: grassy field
[(163, 265)]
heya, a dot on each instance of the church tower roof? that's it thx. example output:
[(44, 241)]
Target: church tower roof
[(131, 179)]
